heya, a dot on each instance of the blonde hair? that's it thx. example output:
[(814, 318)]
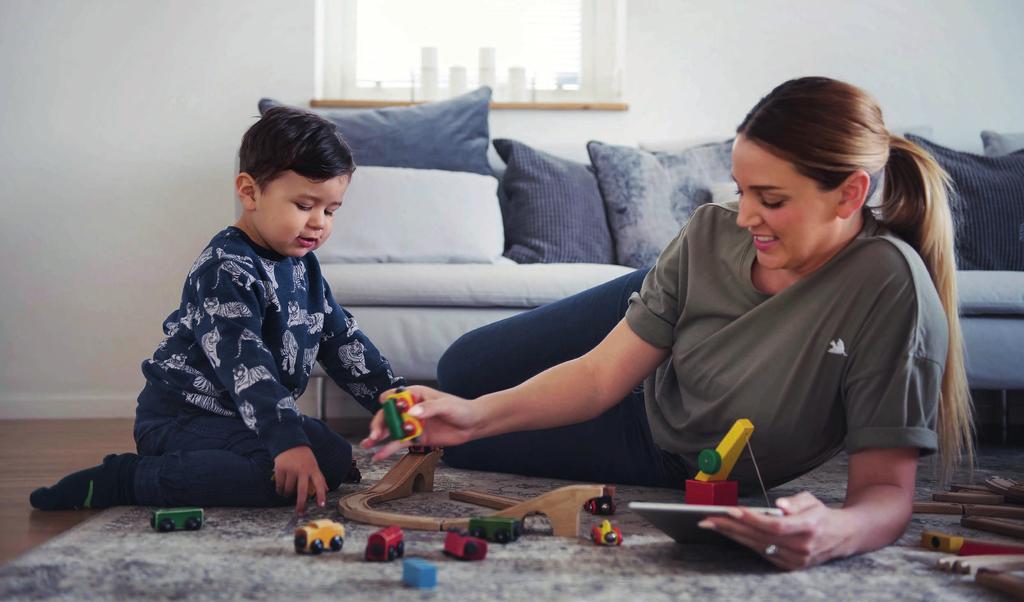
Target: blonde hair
[(829, 129)]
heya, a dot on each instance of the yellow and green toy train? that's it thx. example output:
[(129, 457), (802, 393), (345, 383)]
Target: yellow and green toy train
[(396, 406)]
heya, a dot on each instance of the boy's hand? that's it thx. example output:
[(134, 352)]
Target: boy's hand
[(447, 420), (295, 470)]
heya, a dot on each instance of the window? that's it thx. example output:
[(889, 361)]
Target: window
[(525, 50)]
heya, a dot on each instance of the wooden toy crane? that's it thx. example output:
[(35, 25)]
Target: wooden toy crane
[(711, 485)]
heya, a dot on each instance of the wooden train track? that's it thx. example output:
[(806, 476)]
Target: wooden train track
[(415, 473)]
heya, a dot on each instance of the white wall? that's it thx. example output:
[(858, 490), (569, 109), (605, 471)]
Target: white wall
[(119, 123)]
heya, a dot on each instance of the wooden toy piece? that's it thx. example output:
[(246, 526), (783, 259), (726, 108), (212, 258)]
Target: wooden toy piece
[(712, 493), (462, 545), (318, 535), (385, 545), (969, 487), (938, 508), (1001, 526), (968, 497), (561, 506), (969, 565), (716, 464), (967, 546), (1009, 489), (606, 534), (500, 529), (396, 406), (165, 520), (601, 506), (942, 542), (1003, 582), (1001, 510), (415, 472), (419, 573)]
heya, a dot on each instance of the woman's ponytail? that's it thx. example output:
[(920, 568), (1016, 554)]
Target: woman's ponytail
[(915, 206)]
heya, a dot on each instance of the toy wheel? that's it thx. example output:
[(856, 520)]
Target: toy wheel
[(193, 524), (611, 538), (400, 548), (336, 543), (166, 525), (152, 521), (401, 405), (709, 461), (517, 531), (392, 553), (300, 542), (501, 537), (470, 548), (478, 532), (317, 546)]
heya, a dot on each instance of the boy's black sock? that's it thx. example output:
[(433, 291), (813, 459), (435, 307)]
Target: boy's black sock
[(109, 484)]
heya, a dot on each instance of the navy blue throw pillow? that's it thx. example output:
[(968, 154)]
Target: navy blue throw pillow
[(552, 208), (988, 204), (450, 134)]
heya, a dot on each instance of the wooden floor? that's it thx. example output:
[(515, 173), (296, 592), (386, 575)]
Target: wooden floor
[(36, 453)]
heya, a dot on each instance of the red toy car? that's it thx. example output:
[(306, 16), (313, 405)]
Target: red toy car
[(601, 506), (386, 544), (463, 546)]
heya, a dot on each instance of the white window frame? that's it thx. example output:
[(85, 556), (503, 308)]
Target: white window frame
[(602, 57)]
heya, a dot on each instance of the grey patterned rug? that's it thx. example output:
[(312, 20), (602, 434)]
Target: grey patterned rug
[(247, 554)]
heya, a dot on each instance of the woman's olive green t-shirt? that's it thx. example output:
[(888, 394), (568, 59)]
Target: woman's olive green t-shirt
[(850, 355)]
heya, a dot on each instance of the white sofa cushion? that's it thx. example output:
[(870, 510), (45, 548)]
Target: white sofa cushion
[(464, 285), (397, 214)]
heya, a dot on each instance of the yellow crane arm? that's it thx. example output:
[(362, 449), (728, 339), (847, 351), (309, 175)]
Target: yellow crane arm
[(716, 464)]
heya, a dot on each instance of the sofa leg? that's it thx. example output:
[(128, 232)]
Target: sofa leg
[(321, 398), (1004, 417)]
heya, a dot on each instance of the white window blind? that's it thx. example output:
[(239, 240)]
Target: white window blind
[(526, 50)]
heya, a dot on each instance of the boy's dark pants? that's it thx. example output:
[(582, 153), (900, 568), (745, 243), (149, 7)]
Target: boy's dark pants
[(194, 458)]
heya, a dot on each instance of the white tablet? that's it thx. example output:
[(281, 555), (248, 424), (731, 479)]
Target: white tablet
[(679, 521)]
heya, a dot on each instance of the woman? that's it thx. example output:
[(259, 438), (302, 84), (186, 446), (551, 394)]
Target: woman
[(826, 323)]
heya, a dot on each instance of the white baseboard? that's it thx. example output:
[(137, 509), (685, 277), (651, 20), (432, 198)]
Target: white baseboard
[(112, 405)]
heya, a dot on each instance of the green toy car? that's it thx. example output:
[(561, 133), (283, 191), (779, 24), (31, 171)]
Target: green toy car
[(175, 519), (495, 528)]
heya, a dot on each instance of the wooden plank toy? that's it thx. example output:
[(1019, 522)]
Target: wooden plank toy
[(1002, 526)]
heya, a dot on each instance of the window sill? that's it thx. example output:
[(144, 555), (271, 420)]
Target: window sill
[(506, 106)]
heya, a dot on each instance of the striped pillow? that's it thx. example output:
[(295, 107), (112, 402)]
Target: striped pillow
[(551, 207), (989, 205)]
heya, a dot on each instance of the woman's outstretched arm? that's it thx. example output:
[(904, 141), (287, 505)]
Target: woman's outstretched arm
[(568, 393)]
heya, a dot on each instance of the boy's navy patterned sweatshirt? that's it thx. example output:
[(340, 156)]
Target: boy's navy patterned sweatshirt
[(243, 343)]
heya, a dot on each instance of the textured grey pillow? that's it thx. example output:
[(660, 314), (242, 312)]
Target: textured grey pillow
[(649, 196), (997, 145), (552, 208), (450, 134), (989, 204)]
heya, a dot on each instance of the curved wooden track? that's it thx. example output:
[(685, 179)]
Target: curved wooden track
[(415, 472)]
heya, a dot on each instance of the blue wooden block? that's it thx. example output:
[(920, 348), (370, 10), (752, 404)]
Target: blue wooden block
[(419, 573)]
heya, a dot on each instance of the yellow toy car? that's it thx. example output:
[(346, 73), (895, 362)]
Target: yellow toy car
[(606, 535), (319, 534)]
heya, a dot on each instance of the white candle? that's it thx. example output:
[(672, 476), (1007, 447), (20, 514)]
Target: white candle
[(487, 74), (456, 80), (517, 84), (428, 72)]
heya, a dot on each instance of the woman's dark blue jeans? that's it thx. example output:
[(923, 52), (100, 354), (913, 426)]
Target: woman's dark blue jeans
[(190, 457), (615, 447)]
